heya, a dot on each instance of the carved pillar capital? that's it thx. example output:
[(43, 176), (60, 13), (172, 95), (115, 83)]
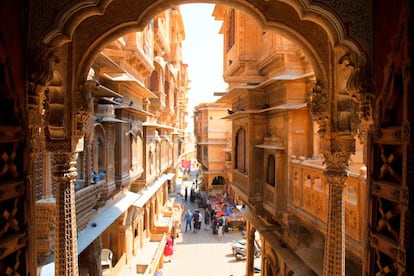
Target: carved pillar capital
[(63, 164), (337, 150)]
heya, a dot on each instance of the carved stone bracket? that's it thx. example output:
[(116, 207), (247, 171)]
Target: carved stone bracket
[(84, 107), (41, 74), (318, 106), (354, 97), (47, 92)]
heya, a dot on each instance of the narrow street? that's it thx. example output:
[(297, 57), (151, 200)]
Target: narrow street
[(202, 253)]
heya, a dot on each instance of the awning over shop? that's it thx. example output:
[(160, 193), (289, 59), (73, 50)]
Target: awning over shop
[(170, 176), (110, 120), (104, 218), (148, 192)]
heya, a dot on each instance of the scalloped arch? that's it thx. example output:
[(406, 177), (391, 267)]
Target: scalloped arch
[(313, 28), (66, 22)]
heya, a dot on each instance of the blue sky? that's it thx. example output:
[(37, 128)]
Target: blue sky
[(203, 52)]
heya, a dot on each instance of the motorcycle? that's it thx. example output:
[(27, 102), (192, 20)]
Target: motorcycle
[(239, 249)]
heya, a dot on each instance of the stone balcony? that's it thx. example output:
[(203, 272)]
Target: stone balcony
[(148, 258), (309, 193), (86, 200)]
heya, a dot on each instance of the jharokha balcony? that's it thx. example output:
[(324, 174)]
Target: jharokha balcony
[(308, 197), (309, 192), (86, 201)]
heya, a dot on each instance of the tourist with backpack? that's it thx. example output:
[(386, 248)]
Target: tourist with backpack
[(196, 216)]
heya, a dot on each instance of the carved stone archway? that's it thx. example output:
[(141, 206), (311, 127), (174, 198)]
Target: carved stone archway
[(68, 48)]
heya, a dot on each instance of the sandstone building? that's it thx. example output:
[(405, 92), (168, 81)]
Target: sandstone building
[(114, 212), (53, 109), (278, 168), (213, 135)]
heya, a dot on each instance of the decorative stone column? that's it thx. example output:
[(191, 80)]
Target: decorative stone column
[(337, 152), (94, 257), (338, 108), (64, 173)]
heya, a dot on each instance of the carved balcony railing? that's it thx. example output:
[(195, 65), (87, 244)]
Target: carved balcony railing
[(45, 227), (310, 192), (241, 182), (86, 200)]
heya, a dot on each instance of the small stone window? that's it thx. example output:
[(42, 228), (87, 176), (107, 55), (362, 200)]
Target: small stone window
[(271, 170)]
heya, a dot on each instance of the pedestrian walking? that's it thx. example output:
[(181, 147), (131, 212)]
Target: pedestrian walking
[(200, 220), (208, 203), (195, 220), (220, 227), (214, 223), (185, 193), (207, 219), (168, 249), (188, 219), (192, 195)]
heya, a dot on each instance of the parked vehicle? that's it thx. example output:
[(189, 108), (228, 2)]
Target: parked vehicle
[(239, 249)]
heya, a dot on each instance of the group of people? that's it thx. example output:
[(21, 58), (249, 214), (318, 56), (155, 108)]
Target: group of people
[(192, 194), (193, 221)]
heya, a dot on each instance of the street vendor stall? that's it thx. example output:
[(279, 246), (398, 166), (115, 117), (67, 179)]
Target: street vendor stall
[(234, 220)]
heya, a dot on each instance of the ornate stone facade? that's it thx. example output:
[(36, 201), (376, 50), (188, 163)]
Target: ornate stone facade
[(355, 49)]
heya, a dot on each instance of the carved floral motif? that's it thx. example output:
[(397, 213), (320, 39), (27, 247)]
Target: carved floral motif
[(318, 105)]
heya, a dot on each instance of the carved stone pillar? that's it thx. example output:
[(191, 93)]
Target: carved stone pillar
[(147, 222), (64, 173), (337, 152), (339, 112), (94, 257)]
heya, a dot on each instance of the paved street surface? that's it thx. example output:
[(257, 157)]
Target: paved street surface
[(202, 253)]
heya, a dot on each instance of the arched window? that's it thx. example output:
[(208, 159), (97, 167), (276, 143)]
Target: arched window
[(136, 151), (101, 154), (155, 81), (241, 150), (231, 34), (218, 180), (271, 167), (99, 151)]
